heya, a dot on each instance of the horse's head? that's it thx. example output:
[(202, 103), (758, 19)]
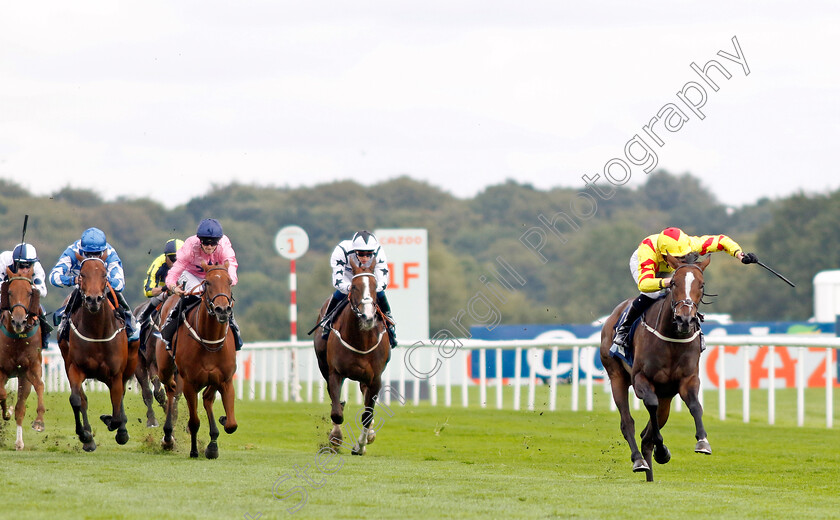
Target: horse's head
[(363, 293), (686, 290), (217, 294), (22, 298), (93, 280)]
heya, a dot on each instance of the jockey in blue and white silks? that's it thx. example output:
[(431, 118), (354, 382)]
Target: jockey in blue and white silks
[(66, 272), (361, 247)]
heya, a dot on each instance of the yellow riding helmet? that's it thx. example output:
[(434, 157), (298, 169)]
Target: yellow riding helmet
[(673, 241), (172, 246)]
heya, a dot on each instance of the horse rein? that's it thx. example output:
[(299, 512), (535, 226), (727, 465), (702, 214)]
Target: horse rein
[(208, 303), (358, 314), (29, 313), (353, 307)]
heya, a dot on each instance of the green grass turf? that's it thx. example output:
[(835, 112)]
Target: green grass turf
[(428, 463)]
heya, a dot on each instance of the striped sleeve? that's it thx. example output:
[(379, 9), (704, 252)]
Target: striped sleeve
[(713, 243)]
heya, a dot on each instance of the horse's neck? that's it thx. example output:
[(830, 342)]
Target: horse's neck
[(99, 323), (206, 325)]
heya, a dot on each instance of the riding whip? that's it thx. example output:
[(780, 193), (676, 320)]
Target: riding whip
[(774, 272), (23, 234)]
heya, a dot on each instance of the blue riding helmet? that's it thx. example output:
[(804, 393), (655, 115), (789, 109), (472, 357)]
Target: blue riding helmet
[(209, 228), (93, 241), (25, 253)]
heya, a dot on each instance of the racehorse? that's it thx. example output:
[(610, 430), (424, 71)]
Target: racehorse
[(20, 346), (357, 348), (205, 358), (97, 347), (147, 372), (667, 346)]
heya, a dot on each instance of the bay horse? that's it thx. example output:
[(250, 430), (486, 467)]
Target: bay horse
[(205, 358), (97, 346), (667, 346), (146, 372), (356, 350), (20, 346)]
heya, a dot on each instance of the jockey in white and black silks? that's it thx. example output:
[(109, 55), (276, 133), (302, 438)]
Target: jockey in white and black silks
[(364, 247), (66, 273), (24, 256)]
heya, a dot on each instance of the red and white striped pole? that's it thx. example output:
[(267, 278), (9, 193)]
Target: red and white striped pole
[(293, 304)]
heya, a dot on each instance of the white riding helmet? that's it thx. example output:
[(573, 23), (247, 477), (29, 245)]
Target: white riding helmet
[(25, 253), (365, 241)]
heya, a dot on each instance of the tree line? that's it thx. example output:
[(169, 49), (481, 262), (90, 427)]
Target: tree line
[(581, 277)]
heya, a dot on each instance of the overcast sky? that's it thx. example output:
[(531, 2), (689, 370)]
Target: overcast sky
[(164, 99)]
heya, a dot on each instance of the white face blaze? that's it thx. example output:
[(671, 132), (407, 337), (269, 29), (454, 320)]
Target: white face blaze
[(368, 310), (689, 281)]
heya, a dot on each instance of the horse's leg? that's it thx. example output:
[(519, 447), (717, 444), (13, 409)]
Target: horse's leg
[(334, 383), (651, 436), (620, 385), (228, 421), (24, 387), (369, 392), (191, 395), (4, 378), (34, 375), (168, 441), (661, 453), (78, 401), (212, 450), (142, 375), (689, 388), (117, 390)]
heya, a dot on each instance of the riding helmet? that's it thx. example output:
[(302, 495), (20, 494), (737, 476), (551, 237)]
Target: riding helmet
[(209, 228), (25, 253), (172, 246), (674, 241), (365, 241), (93, 240)]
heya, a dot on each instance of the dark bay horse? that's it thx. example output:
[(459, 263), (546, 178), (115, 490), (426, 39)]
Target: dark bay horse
[(147, 373), (666, 362), (20, 346), (357, 348), (205, 358), (97, 347)]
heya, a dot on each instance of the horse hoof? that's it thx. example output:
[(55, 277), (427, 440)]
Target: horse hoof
[(7, 416), (703, 447), (223, 420), (86, 437), (89, 446), (661, 454), (19, 445), (212, 450), (121, 437), (107, 419), (371, 437), (152, 423), (37, 425), (193, 454), (359, 452), (168, 446), (640, 465), (230, 428)]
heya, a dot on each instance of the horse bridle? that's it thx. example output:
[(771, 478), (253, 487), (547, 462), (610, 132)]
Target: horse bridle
[(208, 303), (687, 301), (107, 283), (353, 307), (29, 313)]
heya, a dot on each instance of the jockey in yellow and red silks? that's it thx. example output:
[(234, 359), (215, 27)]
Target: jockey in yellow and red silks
[(651, 272)]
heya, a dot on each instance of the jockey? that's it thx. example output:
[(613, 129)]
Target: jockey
[(211, 245), (364, 247), (24, 256), (66, 272), (651, 271), (155, 286)]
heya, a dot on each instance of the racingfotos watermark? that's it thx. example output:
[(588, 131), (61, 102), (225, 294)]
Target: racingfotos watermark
[(640, 151), (328, 460)]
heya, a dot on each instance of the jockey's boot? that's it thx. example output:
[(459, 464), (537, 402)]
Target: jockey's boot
[(72, 304), (127, 315), (154, 301), (382, 301), (46, 328), (637, 307), (327, 324), (167, 330), (237, 336)]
